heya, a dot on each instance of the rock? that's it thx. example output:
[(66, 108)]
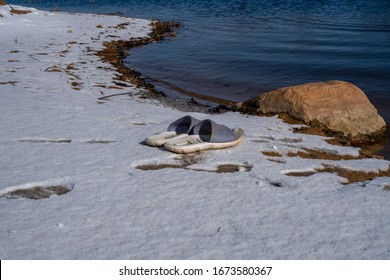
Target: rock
[(3, 3), (333, 106)]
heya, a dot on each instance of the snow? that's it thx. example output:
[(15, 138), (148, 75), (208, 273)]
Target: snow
[(54, 133)]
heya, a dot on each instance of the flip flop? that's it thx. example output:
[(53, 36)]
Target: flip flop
[(182, 126), (206, 135)]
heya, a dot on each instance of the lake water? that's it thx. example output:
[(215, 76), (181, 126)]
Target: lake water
[(237, 49)]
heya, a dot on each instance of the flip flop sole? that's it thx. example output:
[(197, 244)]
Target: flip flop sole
[(159, 139), (193, 143)]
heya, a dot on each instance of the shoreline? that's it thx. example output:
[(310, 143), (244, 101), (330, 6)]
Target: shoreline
[(115, 51)]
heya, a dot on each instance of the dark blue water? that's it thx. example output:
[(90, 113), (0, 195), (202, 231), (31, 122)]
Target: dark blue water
[(237, 49)]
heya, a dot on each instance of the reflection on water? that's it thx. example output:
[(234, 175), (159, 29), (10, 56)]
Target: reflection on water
[(237, 49)]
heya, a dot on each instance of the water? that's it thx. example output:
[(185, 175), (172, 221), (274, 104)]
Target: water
[(237, 49)]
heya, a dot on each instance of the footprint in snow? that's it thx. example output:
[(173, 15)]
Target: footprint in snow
[(44, 140), (40, 190), (100, 141), (186, 162), (64, 140)]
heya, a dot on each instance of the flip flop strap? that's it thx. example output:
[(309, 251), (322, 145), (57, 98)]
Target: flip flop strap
[(183, 125), (209, 131)]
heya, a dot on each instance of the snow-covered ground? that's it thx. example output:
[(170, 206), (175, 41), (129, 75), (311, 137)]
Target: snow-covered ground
[(125, 200)]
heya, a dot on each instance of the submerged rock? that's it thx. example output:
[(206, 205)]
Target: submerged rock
[(334, 106)]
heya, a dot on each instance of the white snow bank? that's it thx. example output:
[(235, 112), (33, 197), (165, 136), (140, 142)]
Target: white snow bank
[(177, 207)]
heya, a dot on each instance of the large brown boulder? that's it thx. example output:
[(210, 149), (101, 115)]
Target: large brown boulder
[(335, 106)]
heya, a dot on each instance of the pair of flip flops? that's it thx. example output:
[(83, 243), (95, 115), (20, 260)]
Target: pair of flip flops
[(189, 135)]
